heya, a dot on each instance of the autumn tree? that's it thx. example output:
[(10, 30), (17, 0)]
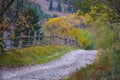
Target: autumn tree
[(71, 26), (20, 16), (58, 25)]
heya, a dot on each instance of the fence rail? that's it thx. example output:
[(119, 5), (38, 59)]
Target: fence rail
[(27, 41)]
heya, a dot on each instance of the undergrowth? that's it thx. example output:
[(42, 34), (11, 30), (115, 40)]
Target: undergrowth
[(32, 55), (106, 67)]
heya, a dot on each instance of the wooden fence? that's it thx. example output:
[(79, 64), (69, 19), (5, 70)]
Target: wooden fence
[(27, 41)]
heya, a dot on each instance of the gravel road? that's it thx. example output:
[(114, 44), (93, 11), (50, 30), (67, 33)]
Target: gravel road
[(54, 70)]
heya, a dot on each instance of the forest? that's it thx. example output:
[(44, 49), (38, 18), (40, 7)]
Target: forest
[(31, 34)]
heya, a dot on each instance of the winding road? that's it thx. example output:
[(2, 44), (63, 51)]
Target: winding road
[(54, 70)]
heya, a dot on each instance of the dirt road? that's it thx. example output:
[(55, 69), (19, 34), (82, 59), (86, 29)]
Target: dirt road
[(53, 70)]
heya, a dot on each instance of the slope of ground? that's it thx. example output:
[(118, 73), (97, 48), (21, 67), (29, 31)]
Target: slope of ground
[(45, 5), (54, 70)]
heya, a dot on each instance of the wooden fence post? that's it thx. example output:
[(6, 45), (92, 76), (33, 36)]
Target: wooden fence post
[(21, 40), (55, 39), (67, 41), (61, 40), (39, 37), (64, 41), (70, 42), (29, 38), (35, 41), (51, 39), (77, 44)]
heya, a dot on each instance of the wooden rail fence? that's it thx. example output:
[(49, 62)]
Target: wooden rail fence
[(27, 41)]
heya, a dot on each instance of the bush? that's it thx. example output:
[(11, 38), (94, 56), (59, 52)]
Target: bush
[(85, 38), (90, 40), (106, 67)]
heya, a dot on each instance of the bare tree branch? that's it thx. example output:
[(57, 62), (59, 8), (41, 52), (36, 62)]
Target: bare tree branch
[(5, 8)]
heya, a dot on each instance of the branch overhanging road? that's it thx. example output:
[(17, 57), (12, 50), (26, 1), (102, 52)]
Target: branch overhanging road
[(53, 70)]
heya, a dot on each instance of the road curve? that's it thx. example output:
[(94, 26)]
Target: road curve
[(54, 70)]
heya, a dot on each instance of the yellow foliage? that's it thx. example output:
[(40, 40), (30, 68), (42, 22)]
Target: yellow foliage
[(62, 25), (74, 32), (78, 33), (88, 18), (68, 26), (84, 42), (78, 17), (59, 25)]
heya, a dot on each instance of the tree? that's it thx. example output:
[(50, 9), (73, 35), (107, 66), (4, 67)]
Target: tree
[(21, 18), (4, 6), (59, 7), (58, 25), (51, 6)]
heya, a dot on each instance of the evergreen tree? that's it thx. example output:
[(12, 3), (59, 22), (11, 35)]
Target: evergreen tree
[(51, 6), (59, 7)]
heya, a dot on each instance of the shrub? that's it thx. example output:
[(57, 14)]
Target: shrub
[(85, 38)]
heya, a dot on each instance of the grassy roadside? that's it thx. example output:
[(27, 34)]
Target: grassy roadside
[(33, 55), (106, 67)]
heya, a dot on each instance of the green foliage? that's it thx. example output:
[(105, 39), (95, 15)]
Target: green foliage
[(37, 9), (88, 35), (84, 37), (106, 41), (83, 5), (105, 25), (32, 55)]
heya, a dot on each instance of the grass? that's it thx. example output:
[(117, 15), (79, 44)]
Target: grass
[(106, 67), (32, 55)]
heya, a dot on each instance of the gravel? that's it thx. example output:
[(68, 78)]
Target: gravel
[(54, 70)]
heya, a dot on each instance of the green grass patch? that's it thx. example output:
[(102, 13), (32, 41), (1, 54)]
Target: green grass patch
[(32, 55)]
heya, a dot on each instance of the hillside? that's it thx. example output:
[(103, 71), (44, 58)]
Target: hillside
[(45, 5)]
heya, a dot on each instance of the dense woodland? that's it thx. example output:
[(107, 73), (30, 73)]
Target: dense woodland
[(95, 25)]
